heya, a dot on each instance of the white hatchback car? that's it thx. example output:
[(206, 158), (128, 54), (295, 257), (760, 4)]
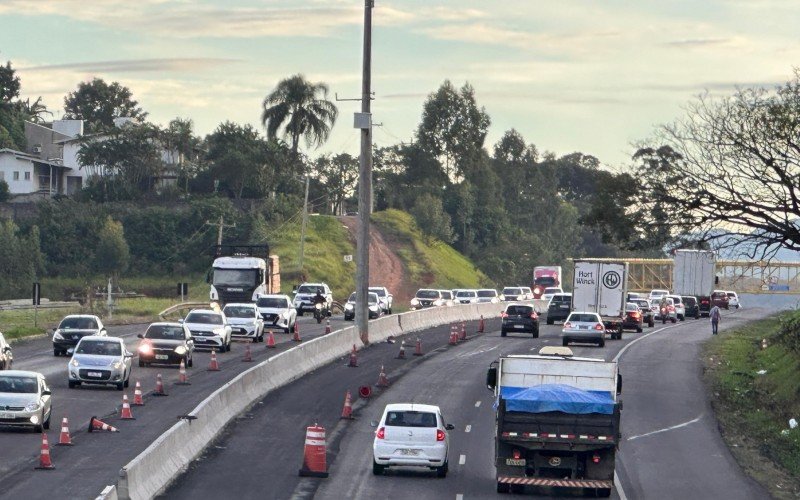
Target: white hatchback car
[(733, 300), (245, 320), (414, 435), (550, 291)]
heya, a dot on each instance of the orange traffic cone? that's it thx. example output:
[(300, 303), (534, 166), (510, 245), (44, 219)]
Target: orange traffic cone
[(314, 459), (327, 326), (182, 378), (347, 411), (137, 395), (214, 365), (159, 387), (271, 340), (95, 424), (402, 353), (480, 325), (248, 356), (296, 336), (463, 331), (126, 409), (453, 337), (64, 439), (418, 350), (353, 358), (44, 456), (383, 381)]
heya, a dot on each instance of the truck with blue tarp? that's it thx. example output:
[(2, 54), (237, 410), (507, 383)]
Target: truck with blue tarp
[(557, 421)]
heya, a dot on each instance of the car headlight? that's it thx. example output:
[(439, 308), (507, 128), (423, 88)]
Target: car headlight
[(57, 336), (414, 302), (180, 350), (373, 307), (218, 331), (145, 349), (438, 302), (74, 362), (116, 365), (32, 407), (348, 306), (503, 297)]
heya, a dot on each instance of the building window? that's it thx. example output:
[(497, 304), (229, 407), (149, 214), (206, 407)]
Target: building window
[(27, 176), (16, 176)]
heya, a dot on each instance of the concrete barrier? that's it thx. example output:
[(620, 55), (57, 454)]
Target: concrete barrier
[(108, 493), (151, 471)]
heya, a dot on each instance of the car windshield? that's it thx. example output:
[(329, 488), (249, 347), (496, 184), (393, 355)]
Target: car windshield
[(561, 298), (275, 302), (487, 293), (78, 324), (631, 307), (99, 348), (545, 281), (447, 294), (583, 318), (18, 384), (427, 294), (234, 277), (372, 297), (676, 300), (204, 318), (311, 289), (410, 419), (642, 303), (731, 294), (466, 294), (689, 300), (239, 312), (166, 332), (380, 291), (519, 310), (512, 291)]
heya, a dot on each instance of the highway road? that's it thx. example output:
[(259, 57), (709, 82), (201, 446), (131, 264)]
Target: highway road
[(671, 446), (95, 459)]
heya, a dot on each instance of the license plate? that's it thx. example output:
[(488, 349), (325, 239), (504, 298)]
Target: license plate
[(519, 326), (583, 327), (6, 415), (564, 306), (515, 461), (409, 452), (162, 356), (94, 374)]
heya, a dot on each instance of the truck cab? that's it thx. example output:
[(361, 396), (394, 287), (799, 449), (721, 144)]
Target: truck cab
[(240, 274)]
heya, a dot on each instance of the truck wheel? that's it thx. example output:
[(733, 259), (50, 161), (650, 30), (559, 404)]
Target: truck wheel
[(602, 492), (503, 488), (550, 321)]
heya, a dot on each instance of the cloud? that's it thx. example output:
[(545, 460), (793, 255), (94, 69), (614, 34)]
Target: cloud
[(184, 65), (704, 42)]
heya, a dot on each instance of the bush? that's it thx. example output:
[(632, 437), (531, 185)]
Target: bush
[(5, 194)]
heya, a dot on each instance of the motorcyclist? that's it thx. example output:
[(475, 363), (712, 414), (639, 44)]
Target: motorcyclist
[(663, 308), (319, 299)]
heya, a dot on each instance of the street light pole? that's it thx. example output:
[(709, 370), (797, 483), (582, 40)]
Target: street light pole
[(364, 122)]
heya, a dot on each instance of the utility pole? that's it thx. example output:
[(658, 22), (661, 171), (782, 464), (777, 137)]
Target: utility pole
[(220, 225), (363, 121), (303, 227)]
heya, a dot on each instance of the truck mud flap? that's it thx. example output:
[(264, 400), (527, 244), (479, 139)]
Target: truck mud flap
[(565, 483)]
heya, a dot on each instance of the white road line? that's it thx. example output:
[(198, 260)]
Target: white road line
[(468, 428), (618, 486), (477, 404), (625, 348), (659, 431), (459, 497), (462, 460)]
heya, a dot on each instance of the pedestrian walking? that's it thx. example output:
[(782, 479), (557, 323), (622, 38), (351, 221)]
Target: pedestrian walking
[(715, 316)]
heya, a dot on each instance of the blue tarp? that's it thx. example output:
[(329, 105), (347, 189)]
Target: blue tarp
[(557, 397)]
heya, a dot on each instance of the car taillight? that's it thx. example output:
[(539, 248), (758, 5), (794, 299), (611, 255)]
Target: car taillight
[(503, 315), (598, 326), (567, 325), (533, 315), (637, 315), (439, 435), (671, 308), (596, 458), (517, 455), (381, 434), (704, 302)]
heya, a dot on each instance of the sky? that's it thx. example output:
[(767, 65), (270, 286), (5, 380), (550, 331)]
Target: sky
[(594, 76)]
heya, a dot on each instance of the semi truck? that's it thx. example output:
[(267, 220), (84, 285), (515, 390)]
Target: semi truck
[(694, 274), (544, 277), (557, 421), (600, 286), (242, 273)]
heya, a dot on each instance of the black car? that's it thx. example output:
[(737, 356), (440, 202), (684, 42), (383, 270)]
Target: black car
[(72, 329), (6, 357), (559, 307), (166, 343), (633, 318), (647, 314), (520, 318), (692, 307)]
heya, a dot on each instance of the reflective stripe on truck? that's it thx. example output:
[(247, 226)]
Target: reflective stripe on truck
[(545, 435), (568, 483)]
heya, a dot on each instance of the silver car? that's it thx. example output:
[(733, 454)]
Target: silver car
[(24, 400), (277, 311), (245, 321), (584, 327), (210, 329), (384, 297), (100, 360)]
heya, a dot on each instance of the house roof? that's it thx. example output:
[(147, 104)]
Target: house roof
[(35, 159)]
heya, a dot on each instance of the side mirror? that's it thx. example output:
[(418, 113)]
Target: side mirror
[(491, 376), (46, 392), (128, 354), (209, 276), (180, 321), (373, 423), (55, 328), (449, 427), (140, 335), (6, 349)]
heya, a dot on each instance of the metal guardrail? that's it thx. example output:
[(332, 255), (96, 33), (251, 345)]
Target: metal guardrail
[(182, 305), (43, 305)]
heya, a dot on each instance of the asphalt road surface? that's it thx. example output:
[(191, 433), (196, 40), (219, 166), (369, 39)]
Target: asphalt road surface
[(671, 447), (94, 461)]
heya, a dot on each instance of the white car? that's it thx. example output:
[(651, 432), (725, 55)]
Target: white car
[(657, 294), (584, 327), (245, 320), (466, 297), (25, 400), (277, 312), (100, 360), (384, 298), (304, 297), (733, 300), (210, 329), (411, 434), (426, 297), (488, 295), (528, 292), (550, 291), (512, 294), (680, 307), (448, 298), (374, 308)]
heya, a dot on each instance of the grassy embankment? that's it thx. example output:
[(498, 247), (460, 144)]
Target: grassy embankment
[(754, 376)]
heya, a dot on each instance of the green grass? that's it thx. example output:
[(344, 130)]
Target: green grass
[(755, 405), (430, 263)]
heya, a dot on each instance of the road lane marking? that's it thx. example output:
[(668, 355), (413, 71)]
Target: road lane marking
[(618, 486), (469, 428), (462, 460), (626, 346), (473, 353), (672, 428), (477, 404), (459, 497)]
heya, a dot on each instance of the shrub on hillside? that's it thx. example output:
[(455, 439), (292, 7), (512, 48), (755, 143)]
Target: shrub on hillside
[(789, 333)]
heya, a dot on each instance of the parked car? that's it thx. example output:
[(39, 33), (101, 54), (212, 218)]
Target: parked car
[(657, 294), (385, 298), (304, 297), (733, 300), (277, 312), (512, 294), (100, 360), (692, 306), (426, 297), (680, 309), (559, 307), (488, 295), (466, 297), (245, 320), (633, 320), (584, 327), (6, 356), (648, 316), (72, 329), (374, 306), (720, 299), (166, 343), (550, 291), (210, 329), (519, 318), (448, 298), (25, 400), (411, 434)]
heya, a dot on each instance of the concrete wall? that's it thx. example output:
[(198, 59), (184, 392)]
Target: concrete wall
[(10, 163)]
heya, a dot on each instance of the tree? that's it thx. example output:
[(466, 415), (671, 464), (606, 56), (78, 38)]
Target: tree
[(112, 254), (339, 175), (295, 104), (98, 103), (16, 268), (9, 83), (34, 111), (431, 218), (728, 170), (238, 157), (5, 194), (183, 147)]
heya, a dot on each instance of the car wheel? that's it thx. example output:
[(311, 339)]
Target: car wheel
[(565, 342), (38, 428), (127, 382), (120, 386), (502, 333), (602, 343), (441, 471), (389, 311), (189, 361), (377, 469), (71, 384), (46, 424), (503, 488), (141, 364), (651, 323), (56, 353), (549, 322), (639, 330)]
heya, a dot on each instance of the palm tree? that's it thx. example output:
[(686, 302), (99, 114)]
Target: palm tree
[(295, 106), (35, 110)]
